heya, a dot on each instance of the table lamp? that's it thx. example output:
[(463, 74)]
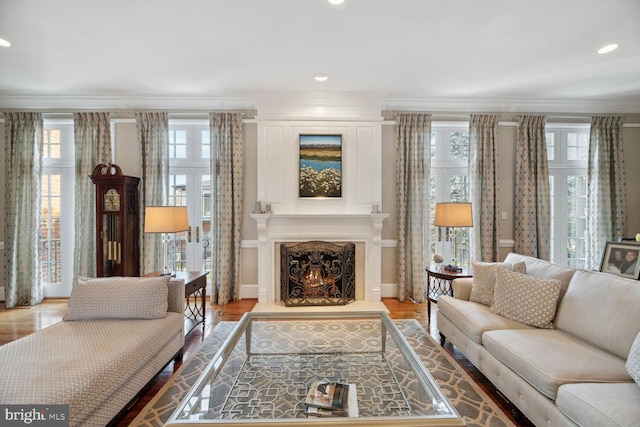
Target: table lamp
[(165, 220), (451, 215)]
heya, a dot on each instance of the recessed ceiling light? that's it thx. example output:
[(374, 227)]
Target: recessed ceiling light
[(321, 77), (4, 43), (336, 2), (608, 48)]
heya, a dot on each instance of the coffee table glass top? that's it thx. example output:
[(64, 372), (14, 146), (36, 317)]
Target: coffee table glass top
[(262, 373)]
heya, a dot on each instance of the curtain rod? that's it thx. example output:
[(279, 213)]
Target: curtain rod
[(551, 116), (514, 116), (243, 113), (446, 117), (436, 116)]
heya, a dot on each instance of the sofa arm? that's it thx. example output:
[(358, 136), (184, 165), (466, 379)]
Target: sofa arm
[(176, 295), (462, 288)]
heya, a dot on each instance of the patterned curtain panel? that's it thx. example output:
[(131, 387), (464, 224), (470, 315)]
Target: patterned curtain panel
[(412, 192), (153, 136), (23, 174), (484, 179), (92, 132), (227, 163), (532, 198), (606, 199)]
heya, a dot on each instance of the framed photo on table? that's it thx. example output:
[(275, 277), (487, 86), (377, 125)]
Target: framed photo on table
[(621, 258)]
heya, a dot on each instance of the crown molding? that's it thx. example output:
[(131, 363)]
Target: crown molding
[(334, 106), (513, 105), (80, 102), (319, 105)]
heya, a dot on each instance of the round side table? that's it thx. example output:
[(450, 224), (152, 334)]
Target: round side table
[(439, 283)]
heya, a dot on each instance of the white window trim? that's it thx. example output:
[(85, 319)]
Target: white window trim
[(560, 169), (64, 166)]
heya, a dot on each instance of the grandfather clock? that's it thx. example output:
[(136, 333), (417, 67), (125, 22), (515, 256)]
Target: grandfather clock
[(117, 219)]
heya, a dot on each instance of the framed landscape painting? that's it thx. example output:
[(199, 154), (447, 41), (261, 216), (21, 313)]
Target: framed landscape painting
[(320, 166), (621, 259)]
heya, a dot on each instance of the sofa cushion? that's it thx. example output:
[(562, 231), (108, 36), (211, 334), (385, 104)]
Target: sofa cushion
[(527, 299), (544, 269), (601, 405), (633, 361), (119, 298), (602, 309), (547, 358), (474, 319), (484, 279)]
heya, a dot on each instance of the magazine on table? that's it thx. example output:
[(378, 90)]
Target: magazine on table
[(332, 399), (312, 411)]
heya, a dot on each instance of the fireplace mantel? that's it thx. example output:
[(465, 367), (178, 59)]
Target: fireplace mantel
[(278, 228)]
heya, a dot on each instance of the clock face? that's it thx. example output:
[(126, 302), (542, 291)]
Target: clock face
[(111, 200)]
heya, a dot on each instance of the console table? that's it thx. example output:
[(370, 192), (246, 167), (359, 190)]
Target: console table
[(439, 283), (195, 285)]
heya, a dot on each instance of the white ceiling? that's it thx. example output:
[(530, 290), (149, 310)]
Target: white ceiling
[(505, 55)]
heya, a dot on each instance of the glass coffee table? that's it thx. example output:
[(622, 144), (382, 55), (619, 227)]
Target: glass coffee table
[(262, 373)]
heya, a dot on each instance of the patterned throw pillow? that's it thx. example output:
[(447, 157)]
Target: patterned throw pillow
[(527, 299), (484, 279), (633, 361), (119, 298)]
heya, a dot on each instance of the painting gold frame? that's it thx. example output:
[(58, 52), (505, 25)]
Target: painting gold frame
[(320, 172)]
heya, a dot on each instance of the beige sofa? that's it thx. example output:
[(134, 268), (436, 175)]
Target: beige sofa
[(117, 335), (573, 373)]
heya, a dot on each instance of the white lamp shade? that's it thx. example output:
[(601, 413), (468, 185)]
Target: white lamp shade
[(165, 219), (454, 215)]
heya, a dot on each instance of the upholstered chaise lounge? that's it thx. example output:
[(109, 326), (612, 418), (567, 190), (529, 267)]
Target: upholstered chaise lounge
[(117, 335), (561, 344)]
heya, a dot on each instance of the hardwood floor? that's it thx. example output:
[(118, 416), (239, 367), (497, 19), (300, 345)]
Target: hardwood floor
[(18, 322)]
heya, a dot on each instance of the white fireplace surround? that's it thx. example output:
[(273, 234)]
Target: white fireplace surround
[(298, 219), (335, 228)]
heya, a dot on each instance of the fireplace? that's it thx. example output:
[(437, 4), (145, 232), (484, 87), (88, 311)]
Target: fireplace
[(317, 273), (362, 229)]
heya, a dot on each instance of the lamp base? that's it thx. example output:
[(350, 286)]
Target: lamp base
[(167, 272)]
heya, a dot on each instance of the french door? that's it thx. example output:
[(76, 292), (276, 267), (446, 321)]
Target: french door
[(56, 232), (191, 250), (449, 185)]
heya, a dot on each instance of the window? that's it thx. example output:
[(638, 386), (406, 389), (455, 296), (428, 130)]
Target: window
[(449, 182), (56, 208), (190, 185), (567, 152)]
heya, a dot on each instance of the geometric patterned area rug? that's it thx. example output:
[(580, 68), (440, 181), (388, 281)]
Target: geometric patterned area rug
[(475, 407)]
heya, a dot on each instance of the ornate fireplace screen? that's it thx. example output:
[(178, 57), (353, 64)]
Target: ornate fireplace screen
[(317, 273)]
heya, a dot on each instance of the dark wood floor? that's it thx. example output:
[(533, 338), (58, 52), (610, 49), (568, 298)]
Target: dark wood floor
[(18, 322)]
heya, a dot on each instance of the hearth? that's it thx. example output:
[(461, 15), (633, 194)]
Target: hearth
[(317, 273)]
